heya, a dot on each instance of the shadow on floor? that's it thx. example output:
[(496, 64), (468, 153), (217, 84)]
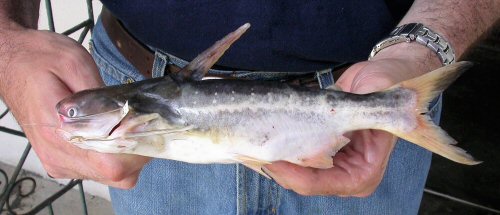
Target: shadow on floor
[(471, 111)]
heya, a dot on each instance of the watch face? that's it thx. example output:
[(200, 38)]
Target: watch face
[(408, 29)]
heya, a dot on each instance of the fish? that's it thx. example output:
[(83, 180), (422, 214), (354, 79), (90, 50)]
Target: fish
[(187, 118)]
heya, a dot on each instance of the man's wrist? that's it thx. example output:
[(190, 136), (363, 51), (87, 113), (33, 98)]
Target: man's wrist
[(421, 34), (8, 34), (9, 25), (21, 12), (460, 22)]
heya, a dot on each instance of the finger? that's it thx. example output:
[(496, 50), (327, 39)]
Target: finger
[(115, 167), (365, 83), (61, 172), (339, 180), (123, 177), (68, 161), (346, 79), (307, 181), (88, 164), (358, 168), (128, 182), (374, 145), (63, 57), (78, 70)]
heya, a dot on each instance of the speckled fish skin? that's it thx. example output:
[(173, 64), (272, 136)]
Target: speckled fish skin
[(252, 122), (269, 121), (265, 121), (184, 118)]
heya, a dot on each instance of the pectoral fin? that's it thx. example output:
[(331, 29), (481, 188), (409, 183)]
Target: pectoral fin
[(132, 121)]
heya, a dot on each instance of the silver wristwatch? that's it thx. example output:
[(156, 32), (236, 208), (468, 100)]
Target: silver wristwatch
[(422, 35)]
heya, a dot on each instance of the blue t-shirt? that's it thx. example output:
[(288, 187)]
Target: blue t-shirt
[(286, 35)]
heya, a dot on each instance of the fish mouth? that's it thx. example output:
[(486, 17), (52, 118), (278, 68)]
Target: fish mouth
[(114, 128)]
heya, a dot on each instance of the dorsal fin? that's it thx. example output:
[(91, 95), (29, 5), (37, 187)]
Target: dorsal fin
[(199, 66)]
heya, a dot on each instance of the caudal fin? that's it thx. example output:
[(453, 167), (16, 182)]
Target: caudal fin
[(428, 135)]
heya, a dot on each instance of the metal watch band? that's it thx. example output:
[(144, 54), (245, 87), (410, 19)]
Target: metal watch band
[(422, 35)]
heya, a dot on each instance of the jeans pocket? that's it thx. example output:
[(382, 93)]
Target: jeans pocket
[(109, 73)]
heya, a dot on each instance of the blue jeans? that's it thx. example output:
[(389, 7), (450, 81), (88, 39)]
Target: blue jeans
[(172, 187)]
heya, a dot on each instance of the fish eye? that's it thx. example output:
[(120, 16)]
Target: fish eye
[(72, 112)]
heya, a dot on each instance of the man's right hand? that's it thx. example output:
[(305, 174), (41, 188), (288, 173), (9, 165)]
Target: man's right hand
[(37, 70)]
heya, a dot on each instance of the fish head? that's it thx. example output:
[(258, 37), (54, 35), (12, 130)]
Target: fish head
[(90, 114), (103, 120)]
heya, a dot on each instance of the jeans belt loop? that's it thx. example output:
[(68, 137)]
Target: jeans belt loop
[(325, 78), (159, 64)]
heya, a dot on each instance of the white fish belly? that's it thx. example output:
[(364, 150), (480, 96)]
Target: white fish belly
[(277, 136)]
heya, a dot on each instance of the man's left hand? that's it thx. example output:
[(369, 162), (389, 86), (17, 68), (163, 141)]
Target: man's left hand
[(358, 167)]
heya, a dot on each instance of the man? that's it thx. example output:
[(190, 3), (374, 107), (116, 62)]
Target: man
[(39, 68)]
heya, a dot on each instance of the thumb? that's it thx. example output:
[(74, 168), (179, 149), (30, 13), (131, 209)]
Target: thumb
[(380, 75), (83, 73), (74, 66), (365, 77), (369, 82)]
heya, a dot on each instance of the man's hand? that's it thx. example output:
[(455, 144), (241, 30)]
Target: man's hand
[(37, 70), (360, 165)]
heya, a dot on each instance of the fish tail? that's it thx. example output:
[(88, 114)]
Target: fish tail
[(427, 134)]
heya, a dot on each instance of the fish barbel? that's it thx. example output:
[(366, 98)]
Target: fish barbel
[(184, 118)]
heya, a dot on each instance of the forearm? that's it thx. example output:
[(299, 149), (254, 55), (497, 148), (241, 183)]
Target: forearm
[(14, 15), (19, 13), (460, 22)]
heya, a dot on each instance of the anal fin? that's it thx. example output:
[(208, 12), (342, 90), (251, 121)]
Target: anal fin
[(253, 163), (320, 161)]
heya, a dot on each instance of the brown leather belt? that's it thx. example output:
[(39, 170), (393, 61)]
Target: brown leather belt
[(135, 52), (142, 57)]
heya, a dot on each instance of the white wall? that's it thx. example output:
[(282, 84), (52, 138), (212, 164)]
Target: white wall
[(66, 15)]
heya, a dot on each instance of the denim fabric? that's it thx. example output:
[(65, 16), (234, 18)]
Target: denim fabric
[(171, 187)]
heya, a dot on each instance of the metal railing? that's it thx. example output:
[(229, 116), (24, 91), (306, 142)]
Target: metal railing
[(14, 189)]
